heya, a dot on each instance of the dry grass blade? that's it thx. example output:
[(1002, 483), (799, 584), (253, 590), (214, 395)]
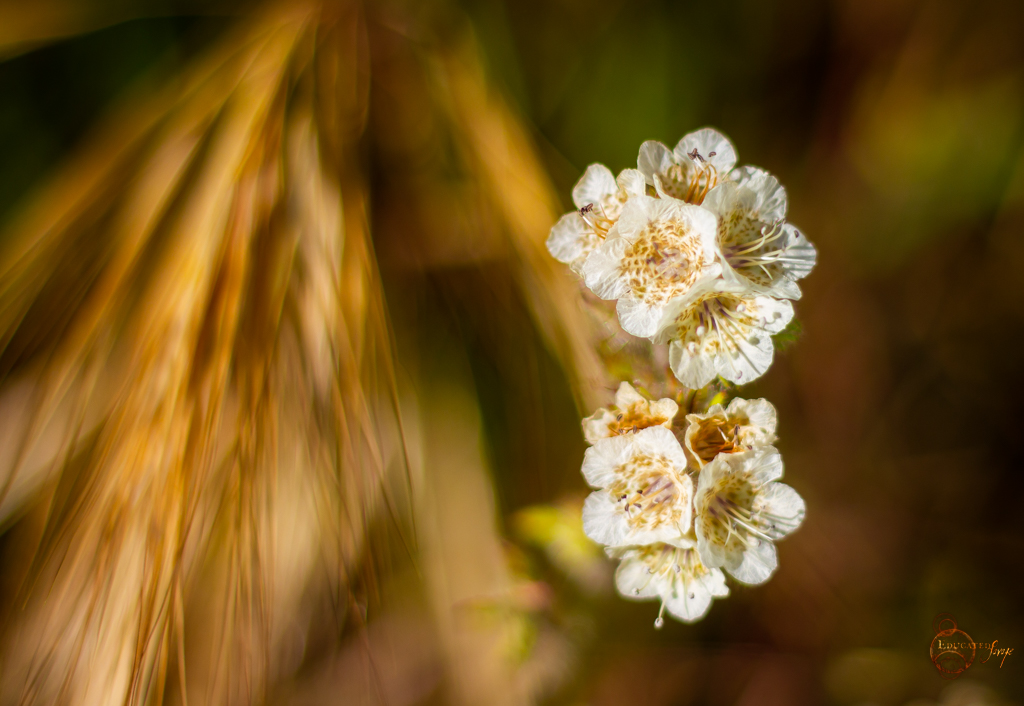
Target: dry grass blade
[(193, 321), (498, 149), (214, 368)]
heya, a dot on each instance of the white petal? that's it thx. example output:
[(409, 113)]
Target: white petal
[(706, 224), (797, 247), (569, 238), (771, 197), (730, 197), (635, 216), (634, 581), (665, 408), (601, 270), (602, 460), (765, 463), (595, 184), (714, 581), (784, 288), (760, 413), (707, 141), (603, 521), (659, 441), (690, 603), (632, 181), (757, 564), (626, 396), (711, 555), (667, 533), (714, 409), (777, 313), (720, 466), (640, 319), (595, 427), (750, 361), (741, 175), (692, 370), (783, 501), (683, 542), (654, 158)]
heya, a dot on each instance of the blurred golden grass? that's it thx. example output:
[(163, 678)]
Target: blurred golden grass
[(203, 421)]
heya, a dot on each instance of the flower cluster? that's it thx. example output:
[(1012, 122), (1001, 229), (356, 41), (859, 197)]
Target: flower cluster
[(696, 253), (678, 514)]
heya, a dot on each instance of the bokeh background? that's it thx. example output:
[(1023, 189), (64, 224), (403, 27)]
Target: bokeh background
[(897, 127)]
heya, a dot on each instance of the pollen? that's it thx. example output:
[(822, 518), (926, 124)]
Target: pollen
[(663, 262), (647, 489)]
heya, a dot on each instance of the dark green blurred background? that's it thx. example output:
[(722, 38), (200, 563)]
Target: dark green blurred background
[(898, 128)]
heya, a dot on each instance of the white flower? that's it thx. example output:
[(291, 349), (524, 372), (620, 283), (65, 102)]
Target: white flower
[(657, 251), (600, 198), (644, 492), (741, 510), (744, 425), (631, 412), (700, 162), (675, 574), (725, 333), (764, 252)]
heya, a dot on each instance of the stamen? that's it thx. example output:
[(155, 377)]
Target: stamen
[(598, 221), (740, 332), (768, 234), (710, 181), (747, 524)]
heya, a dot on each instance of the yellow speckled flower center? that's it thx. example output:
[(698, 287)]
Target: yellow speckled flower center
[(664, 261), (648, 491)]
